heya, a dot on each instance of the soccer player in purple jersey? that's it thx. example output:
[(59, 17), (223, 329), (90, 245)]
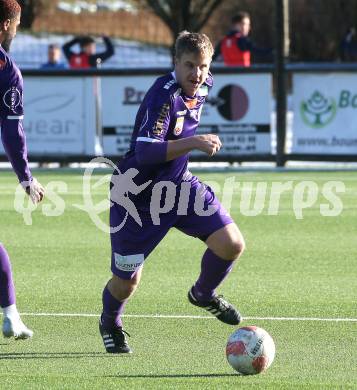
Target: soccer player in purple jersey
[(163, 136), (13, 138)]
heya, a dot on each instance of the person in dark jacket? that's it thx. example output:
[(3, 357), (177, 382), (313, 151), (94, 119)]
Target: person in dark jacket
[(54, 58), (348, 46), (87, 57), (236, 47)]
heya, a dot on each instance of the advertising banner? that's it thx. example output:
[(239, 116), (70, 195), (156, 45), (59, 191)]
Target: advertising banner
[(238, 109), (59, 116), (325, 114)]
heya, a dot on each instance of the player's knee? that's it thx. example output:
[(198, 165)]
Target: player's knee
[(130, 287), (234, 248), (123, 288)]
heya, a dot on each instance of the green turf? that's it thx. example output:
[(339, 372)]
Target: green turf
[(291, 268)]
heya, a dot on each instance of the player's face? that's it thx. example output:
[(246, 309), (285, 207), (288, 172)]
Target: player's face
[(54, 54), (89, 49), (9, 30), (191, 71), (244, 26)]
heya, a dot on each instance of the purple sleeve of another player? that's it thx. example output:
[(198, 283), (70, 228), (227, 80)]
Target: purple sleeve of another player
[(11, 117), (14, 141)]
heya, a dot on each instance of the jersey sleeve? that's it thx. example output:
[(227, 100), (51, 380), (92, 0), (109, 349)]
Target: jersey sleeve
[(155, 122), (11, 119), (151, 146), (11, 102)]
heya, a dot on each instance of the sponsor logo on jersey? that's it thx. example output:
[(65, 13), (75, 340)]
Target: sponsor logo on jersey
[(179, 125), (181, 113), (158, 128), (12, 99), (128, 263)]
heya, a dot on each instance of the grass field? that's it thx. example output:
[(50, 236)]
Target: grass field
[(297, 268)]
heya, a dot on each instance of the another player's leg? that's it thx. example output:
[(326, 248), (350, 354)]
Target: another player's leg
[(12, 324), (224, 247), (115, 296)]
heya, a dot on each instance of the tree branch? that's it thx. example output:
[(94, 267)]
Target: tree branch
[(205, 13)]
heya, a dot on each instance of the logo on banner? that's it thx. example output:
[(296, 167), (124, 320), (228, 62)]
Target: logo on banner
[(51, 103), (233, 102), (318, 111)]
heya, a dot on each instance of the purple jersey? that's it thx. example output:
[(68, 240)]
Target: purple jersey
[(11, 116), (165, 114)]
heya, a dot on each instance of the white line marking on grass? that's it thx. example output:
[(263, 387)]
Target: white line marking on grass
[(190, 317)]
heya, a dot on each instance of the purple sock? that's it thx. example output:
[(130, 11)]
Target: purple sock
[(213, 271), (7, 288), (112, 310)]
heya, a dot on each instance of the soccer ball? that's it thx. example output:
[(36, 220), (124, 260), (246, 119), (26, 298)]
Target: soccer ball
[(250, 350)]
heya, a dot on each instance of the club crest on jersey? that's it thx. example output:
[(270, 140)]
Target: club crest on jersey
[(179, 125)]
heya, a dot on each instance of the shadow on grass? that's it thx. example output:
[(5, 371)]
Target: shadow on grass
[(53, 355), (153, 376)]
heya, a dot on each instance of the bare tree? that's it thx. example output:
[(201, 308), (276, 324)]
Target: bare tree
[(180, 15), (30, 9)]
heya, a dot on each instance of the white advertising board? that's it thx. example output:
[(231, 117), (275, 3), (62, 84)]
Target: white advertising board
[(325, 114), (59, 115), (238, 109)]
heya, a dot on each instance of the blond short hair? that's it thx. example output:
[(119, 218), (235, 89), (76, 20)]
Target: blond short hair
[(188, 42)]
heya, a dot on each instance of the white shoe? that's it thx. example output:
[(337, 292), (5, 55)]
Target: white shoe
[(16, 329)]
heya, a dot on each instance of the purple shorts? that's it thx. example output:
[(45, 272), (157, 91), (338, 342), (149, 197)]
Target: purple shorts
[(133, 243)]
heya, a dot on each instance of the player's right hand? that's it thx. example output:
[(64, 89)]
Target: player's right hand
[(35, 191), (208, 143)]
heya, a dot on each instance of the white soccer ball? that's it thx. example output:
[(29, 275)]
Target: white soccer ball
[(250, 350)]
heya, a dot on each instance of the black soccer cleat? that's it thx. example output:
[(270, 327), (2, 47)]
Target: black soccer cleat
[(114, 340), (219, 307)]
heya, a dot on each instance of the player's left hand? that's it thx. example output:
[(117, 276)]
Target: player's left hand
[(35, 191)]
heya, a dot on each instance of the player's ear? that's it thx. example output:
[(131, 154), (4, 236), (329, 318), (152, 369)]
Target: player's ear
[(6, 24)]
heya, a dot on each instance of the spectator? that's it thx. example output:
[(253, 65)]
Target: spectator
[(236, 47), (348, 46), (54, 58), (87, 57)]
